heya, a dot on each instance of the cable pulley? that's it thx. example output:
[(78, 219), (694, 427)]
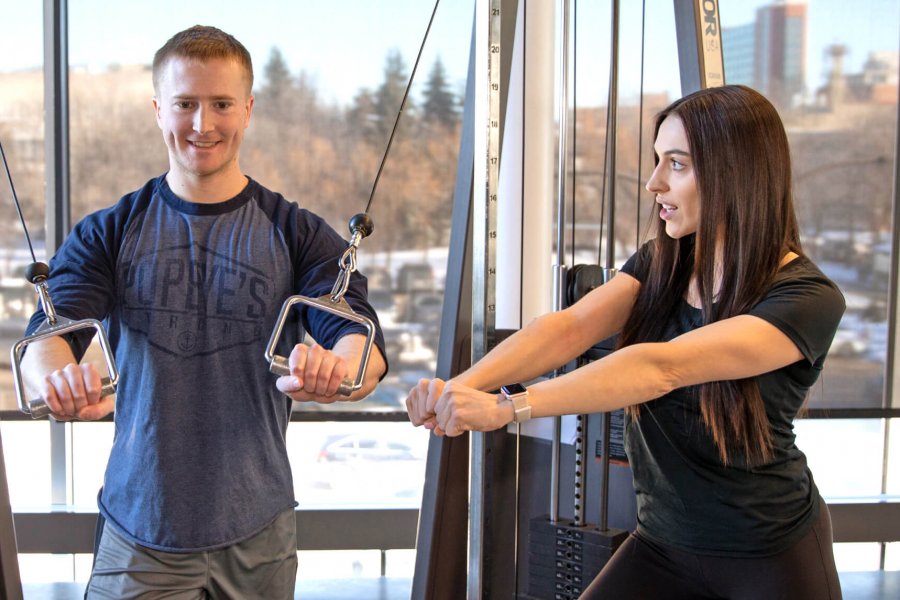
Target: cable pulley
[(361, 226), (54, 324)]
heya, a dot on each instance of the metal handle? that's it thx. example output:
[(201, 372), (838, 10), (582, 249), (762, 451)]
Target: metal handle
[(37, 407), (279, 364)]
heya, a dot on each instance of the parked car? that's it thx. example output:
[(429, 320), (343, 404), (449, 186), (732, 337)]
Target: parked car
[(363, 448), (372, 466)]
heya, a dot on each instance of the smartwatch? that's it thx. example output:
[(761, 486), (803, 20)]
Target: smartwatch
[(518, 395)]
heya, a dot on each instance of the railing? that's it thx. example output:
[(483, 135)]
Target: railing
[(60, 530)]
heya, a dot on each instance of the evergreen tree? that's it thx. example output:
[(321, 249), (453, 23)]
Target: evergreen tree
[(440, 104), (278, 84), (306, 98), (390, 93), (363, 119)]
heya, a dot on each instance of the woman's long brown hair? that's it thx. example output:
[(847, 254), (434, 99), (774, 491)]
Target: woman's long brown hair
[(742, 167)]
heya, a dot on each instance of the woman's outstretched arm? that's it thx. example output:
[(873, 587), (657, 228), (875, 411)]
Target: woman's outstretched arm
[(736, 348)]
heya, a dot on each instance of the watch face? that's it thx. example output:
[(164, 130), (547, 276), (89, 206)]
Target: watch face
[(513, 389)]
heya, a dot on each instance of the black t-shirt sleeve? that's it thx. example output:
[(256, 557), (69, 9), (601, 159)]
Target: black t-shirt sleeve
[(638, 265), (806, 306)]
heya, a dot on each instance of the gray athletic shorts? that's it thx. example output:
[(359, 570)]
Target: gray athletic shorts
[(263, 566)]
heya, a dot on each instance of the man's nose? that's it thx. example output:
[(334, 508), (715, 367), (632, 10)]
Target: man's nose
[(202, 120)]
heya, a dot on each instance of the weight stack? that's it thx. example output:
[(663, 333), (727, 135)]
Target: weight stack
[(563, 558)]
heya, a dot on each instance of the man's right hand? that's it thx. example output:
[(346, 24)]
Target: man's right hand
[(73, 393)]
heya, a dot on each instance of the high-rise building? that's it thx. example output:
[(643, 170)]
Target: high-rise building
[(770, 53), (738, 45)]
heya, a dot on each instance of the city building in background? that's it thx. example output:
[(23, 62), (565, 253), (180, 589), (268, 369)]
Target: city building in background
[(769, 55)]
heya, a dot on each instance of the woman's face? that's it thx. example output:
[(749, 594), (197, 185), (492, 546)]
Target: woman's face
[(673, 180)]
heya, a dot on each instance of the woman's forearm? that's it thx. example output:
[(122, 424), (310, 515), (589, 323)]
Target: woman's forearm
[(628, 376), (556, 338), (540, 347)]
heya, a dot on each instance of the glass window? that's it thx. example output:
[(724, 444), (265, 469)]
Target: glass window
[(836, 104), (892, 557), (857, 556), (893, 460), (358, 464), (46, 568), (22, 137), (844, 455), (91, 443), (638, 102), (26, 450), (831, 70)]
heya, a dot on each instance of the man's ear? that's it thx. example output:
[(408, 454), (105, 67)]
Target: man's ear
[(250, 102), (156, 109)]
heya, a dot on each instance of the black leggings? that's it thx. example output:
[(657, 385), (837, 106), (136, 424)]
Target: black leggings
[(645, 570)]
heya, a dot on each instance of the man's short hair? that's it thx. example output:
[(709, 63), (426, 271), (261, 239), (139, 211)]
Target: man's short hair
[(202, 42)]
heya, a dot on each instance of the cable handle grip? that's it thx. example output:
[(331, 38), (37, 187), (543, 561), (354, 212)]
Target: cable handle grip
[(54, 325), (279, 364), (37, 408)]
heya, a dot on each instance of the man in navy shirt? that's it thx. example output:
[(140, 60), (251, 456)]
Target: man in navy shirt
[(188, 274)]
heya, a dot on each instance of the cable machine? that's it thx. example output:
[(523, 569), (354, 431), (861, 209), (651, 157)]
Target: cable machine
[(556, 555)]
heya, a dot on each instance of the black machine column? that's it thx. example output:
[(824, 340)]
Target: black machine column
[(10, 581)]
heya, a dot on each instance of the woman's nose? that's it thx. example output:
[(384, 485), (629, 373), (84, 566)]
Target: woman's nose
[(654, 183)]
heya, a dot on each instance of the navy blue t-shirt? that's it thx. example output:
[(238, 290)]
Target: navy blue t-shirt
[(189, 294), (686, 496)]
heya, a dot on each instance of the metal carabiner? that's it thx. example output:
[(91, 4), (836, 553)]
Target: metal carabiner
[(55, 325), (361, 225)]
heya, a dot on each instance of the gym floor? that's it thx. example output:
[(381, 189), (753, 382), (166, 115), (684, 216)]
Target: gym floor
[(373, 588), (875, 585)]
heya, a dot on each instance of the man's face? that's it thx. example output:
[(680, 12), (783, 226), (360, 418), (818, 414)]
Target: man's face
[(202, 108)]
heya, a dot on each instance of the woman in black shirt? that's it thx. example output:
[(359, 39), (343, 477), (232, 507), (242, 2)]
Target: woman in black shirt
[(723, 327)]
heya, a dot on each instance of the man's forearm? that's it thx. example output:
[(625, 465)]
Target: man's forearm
[(350, 348), (43, 357)]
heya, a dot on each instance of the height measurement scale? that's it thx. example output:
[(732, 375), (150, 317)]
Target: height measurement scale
[(484, 262), (493, 175), (485, 209)]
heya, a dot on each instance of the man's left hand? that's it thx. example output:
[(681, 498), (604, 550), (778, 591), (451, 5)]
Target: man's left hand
[(316, 374)]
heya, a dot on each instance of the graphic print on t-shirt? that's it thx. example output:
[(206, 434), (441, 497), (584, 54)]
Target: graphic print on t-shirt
[(190, 300)]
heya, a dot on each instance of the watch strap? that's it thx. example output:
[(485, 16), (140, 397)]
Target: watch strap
[(518, 396)]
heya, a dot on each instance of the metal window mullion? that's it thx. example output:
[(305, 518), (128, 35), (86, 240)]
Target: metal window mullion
[(891, 383), (56, 190)]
